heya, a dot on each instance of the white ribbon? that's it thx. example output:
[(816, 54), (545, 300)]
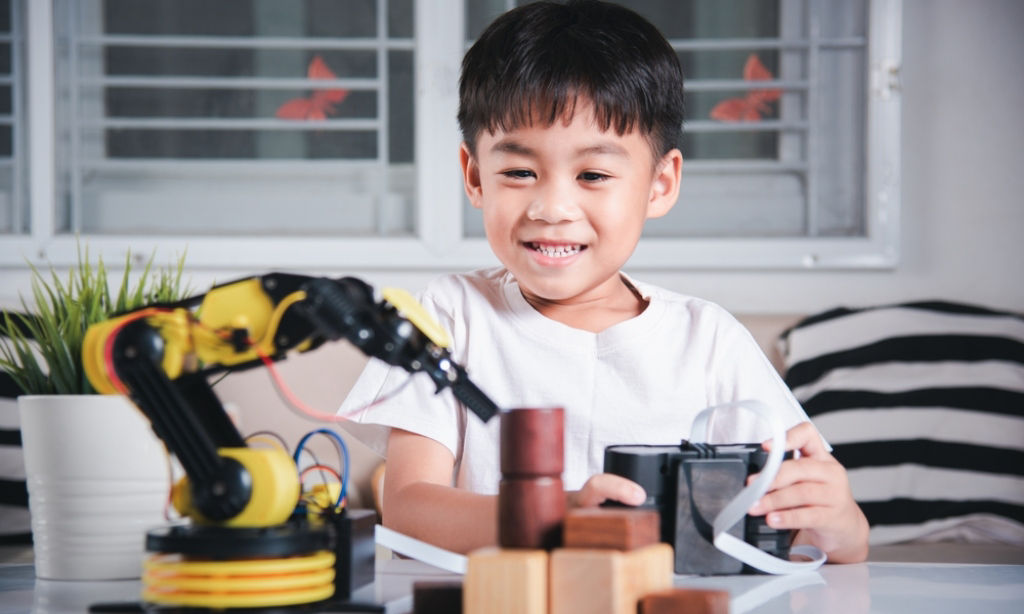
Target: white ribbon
[(736, 509), (420, 550)]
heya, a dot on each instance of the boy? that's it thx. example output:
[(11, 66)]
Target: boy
[(571, 117)]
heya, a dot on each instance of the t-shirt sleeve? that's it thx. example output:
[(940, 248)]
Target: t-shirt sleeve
[(392, 397), (743, 372)]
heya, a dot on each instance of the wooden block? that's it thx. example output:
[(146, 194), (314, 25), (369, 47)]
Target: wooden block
[(607, 581), (611, 527), (530, 512), (506, 581), (689, 600), (532, 442), (437, 597)]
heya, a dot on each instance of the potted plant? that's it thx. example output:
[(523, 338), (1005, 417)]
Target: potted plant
[(97, 476), (63, 310)]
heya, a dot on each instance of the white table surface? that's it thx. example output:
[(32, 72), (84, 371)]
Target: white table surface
[(935, 588)]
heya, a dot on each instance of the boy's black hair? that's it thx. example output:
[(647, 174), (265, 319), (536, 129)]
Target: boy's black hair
[(533, 62)]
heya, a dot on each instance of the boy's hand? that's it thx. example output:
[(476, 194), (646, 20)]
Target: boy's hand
[(812, 494), (604, 487)]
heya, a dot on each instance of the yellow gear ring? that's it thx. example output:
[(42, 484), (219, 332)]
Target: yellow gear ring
[(249, 583)]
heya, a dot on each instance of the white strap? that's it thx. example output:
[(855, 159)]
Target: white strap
[(736, 509), (419, 550)]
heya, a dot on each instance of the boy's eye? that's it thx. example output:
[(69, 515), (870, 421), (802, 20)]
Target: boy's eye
[(519, 173), (591, 177)]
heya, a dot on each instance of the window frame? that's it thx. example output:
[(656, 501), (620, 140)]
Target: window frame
[(439, 242)]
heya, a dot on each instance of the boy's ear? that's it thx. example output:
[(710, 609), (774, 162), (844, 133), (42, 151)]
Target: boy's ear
[(665, 184), (470, 175)]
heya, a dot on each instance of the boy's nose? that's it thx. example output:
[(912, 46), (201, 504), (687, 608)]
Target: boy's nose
[(553, 206)]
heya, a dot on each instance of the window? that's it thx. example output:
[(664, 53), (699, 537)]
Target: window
[(243, 117), (322, 133), (12, 119)]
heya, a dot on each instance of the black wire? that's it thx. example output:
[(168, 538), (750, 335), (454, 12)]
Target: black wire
[(272, 435), (219, 379)]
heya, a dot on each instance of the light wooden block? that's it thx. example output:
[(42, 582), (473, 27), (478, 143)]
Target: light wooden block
[(611, 527), (607, 581), (506, 581), (689, 600)]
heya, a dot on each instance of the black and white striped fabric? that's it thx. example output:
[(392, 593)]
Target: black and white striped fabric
[(923, 404), (14, 514), (14, 517)]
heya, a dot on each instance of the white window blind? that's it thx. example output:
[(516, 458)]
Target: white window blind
[(12, 119), (322, 133), (242, 117)]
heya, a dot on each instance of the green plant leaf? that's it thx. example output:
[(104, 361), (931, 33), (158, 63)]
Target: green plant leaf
[(43, 351)]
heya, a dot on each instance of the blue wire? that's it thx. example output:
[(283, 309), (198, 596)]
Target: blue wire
[(344, 454)]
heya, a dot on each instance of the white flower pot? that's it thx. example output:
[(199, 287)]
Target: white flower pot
[(97, 481)]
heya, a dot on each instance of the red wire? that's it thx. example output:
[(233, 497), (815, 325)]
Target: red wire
[(297, 403), (329, 470), (279, 382), (320, 468), (290, 396)]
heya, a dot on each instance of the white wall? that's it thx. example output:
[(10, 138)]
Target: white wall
[(963, 176), (963, 182)]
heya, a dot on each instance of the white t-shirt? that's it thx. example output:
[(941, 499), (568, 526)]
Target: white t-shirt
[(640, 381)]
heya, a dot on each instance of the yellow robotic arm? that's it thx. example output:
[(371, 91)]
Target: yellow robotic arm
[(163, 355)]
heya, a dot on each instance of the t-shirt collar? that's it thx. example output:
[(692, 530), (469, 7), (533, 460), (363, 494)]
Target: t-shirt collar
[(550, 331)]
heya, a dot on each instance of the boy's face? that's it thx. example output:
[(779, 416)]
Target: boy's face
[(564, 205)]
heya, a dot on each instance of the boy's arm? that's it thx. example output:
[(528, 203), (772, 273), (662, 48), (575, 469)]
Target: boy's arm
[(812, 494), (420, 501)]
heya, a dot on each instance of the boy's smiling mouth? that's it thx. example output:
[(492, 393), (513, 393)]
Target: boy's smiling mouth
[(555, 250)]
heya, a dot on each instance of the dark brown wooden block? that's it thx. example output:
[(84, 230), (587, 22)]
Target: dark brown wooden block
[(689, 600), (530, 512), (437, 597), (532, 442), (616, 528)]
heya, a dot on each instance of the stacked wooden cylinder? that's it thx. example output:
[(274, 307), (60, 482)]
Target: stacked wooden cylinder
[(531, 498)]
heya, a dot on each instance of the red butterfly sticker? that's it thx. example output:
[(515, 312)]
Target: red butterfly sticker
[(751, 107), (321, 103)]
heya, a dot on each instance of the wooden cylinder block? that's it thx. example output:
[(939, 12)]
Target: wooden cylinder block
[(532, 442), (530, 512)]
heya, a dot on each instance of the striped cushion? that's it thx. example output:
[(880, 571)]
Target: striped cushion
[(14, 517), (14, 514), (923, 404)]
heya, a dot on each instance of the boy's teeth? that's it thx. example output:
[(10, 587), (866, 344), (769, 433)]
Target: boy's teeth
[(560, 251)]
